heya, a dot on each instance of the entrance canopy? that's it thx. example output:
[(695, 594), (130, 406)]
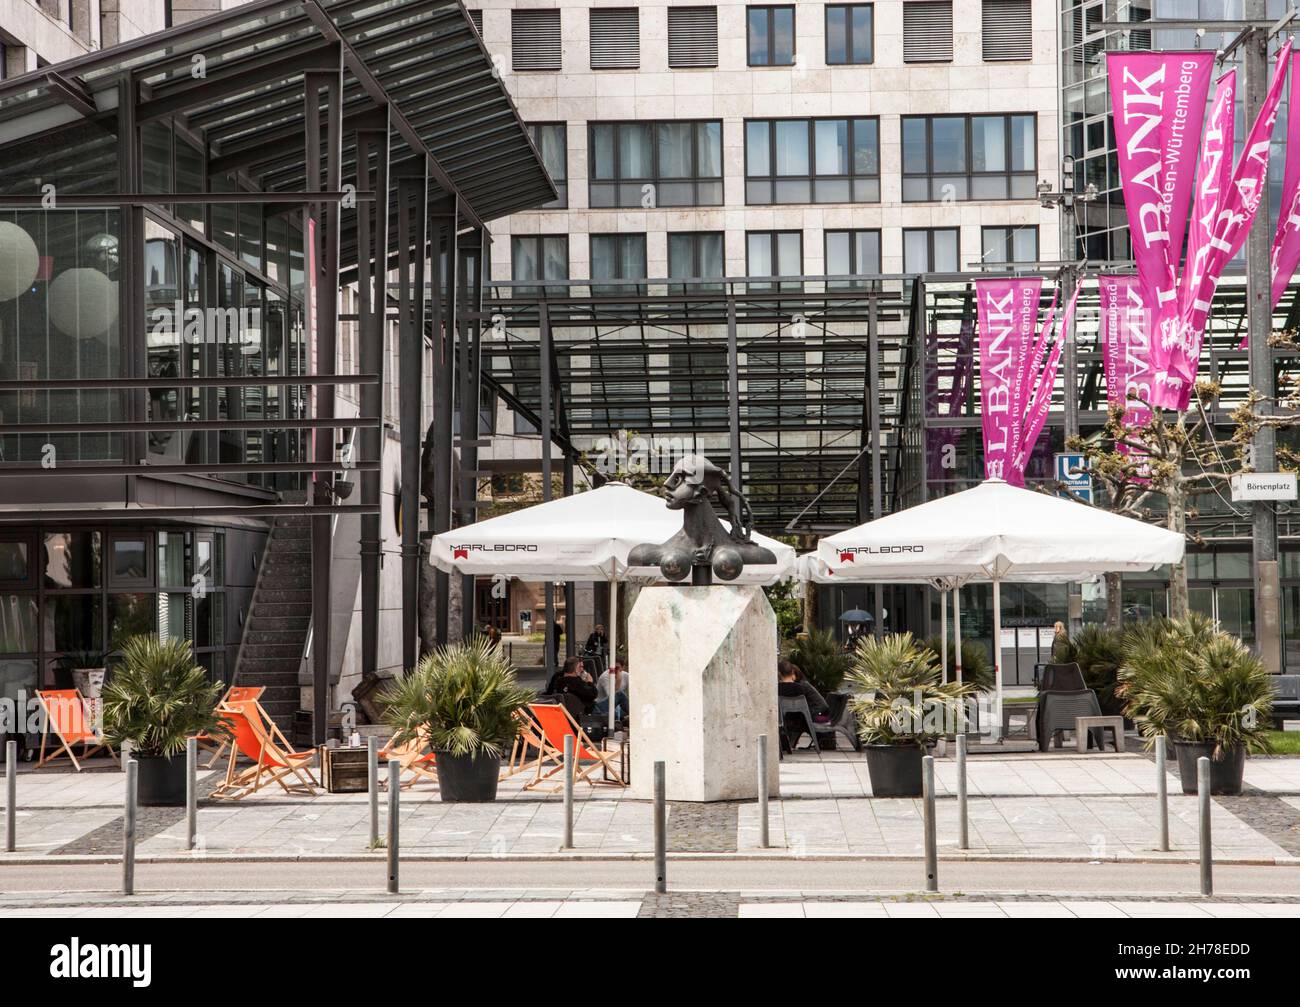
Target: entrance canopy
[(996, 532), (586, 536)]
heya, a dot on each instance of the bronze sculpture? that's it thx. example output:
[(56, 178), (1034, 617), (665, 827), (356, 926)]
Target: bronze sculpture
[(704, 547)]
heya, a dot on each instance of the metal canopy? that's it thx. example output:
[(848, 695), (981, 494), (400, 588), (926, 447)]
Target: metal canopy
[(652, 358), (237, 81)]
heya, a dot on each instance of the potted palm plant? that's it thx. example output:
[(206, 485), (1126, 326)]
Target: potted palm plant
[(901, 708), (1203, 689), (822, 659), (462, 701), (158, 697)]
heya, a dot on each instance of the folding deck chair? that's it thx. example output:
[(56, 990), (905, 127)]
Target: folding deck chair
[(414, 757), (273, 762), (529, 737), (235, 694), (555, 723), (65, 718)]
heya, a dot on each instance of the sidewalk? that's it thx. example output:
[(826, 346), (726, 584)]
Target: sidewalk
[(1053, 806)]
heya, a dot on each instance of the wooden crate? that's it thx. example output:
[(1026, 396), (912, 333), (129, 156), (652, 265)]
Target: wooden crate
[(343, 770)]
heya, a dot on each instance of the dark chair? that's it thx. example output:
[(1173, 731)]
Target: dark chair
[(1286, 697), (1063, 696), (796, 708)]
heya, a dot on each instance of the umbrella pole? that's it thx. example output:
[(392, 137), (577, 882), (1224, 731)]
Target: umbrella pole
[(613, 650), (943, 634), (997, 659), (956, 630)]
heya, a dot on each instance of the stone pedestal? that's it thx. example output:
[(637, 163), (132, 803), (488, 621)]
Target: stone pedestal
[(702, 663)]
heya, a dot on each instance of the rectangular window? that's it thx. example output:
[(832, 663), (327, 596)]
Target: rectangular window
[(1007, 27), (774, 253), (931, 250), (617, 257), (539, 257), (850, 33), (771, 36), (969, 157), (552, 139), (852, 253), (695, 255), (1014, 244), (650, 164), (535, 40), (812, 161), (615, 38), (692, 37), (476, 19), (927, 31)]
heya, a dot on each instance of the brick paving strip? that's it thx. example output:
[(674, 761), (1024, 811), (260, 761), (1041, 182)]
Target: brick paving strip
[(703, 828), (149, 822)]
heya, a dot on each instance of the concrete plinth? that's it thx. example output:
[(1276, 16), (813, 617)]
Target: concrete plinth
[(703, 688)]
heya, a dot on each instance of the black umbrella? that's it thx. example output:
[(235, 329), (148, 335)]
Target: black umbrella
[(857, 615)]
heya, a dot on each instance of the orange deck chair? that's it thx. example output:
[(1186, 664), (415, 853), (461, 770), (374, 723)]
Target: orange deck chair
[(556, 723), (414, 757), (530, 737), (65, 718), (235, 694), (272, 762)]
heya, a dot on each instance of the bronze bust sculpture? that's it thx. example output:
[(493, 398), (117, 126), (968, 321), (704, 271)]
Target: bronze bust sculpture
[(704, 548)]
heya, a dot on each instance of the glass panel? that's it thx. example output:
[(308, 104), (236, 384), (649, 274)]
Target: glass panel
[(72, 559), (632, 263), (783, 36), (789, 254), (916, 252), (174, 616), (681, 256), (73, 622), (988, 143), (866, 147), (831, 137), (793, 191), (676, 158), (915, 160), (1024, 243), (18, 624), (523, 259), (791, 147), (759, 249), (993, 243), (837, 50), (16, 677), (758, 36), (171, 559), (555, 256), (833, 191), (709, 142), (129, 615), (868, 252), (551, 141), (945, 251), (602, 146), (837, 253), (861, 33), (636, 156), (711, 255), (949, 140), (757, 159), (13, 560), (129, 560), (1024, 143)]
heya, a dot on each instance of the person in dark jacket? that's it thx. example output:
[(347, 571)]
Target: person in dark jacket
[(790, 682), (597, 641), (573, 680)]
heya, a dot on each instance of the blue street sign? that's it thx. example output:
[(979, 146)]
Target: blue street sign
[(1073, 473)]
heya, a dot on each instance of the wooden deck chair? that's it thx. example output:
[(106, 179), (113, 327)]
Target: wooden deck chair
[(65, 718), (235, 694), (272, 762), (414, 757), (530, 738), (556, 723)]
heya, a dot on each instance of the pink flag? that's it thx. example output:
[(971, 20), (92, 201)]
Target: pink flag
[(1126, 347), (1040, 402), (1158, 100), (1286, 242), (1231, 223), (1007, 312)]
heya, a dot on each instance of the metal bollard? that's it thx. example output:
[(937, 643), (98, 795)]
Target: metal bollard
[(764, 834), (1203, 805), (931, 854), (394, 792), (372, 787), (568, 793), (11, 796), (1162, 793), (191, 791), (661, 832), (128, 827), (963, 827)]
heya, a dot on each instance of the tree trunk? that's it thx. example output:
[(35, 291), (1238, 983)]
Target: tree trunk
[(1114, 601), (428, 603), (1177, 521), (809, 607)]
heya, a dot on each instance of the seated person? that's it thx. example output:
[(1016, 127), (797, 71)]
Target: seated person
[(790, 682), (573, 685), (603, 687)]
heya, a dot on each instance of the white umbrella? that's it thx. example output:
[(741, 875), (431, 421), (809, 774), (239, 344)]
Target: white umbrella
[(997, 532), (586, 536)]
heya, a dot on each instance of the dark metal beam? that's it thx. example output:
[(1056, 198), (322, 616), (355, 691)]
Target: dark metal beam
[(72, 93)]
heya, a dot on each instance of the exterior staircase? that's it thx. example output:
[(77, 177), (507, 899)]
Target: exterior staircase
[(275, 633)]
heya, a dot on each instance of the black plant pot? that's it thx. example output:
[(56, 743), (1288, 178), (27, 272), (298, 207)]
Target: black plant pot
[(1225, 774), (895, 770), (161, 781), (468, 779)]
